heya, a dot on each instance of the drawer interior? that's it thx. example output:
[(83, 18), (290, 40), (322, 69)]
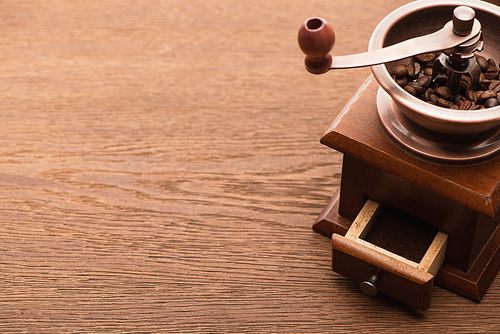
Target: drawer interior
[(401, 234)]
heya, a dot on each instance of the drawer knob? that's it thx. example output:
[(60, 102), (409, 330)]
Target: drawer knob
[(370, 286)]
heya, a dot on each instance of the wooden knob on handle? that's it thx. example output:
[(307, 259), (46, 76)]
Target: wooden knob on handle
[(316, 38)]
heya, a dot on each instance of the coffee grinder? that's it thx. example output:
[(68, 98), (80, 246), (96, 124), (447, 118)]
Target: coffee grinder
[(419, 198)]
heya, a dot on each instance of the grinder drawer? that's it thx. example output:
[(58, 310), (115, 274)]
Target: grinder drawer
[(392, 253)]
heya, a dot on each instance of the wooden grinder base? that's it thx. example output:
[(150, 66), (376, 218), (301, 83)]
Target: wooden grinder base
[(462, 200)]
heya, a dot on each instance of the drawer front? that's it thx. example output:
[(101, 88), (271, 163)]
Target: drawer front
[(378, 269), (397, 280)]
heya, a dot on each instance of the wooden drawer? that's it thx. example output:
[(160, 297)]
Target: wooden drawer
[(401, 266)]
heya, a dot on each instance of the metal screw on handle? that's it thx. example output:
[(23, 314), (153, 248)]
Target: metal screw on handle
[(370, 286)]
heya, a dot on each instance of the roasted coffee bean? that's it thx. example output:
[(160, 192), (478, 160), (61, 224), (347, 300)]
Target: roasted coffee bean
[(414, 69), (487, 94), (494, 86), (444, 103), (441, 79), (482, 62), (410, 90), (457, 99), (465, 82), (428, 71), (471, 95), (400, 71), (492, 72), (401, 81), (483, 82), (426, 57), (444, 92), (427, 94), (491, 62), (478, 94), (433, 98), (491, 102), (419, 89), (466, 105), (424, 80)]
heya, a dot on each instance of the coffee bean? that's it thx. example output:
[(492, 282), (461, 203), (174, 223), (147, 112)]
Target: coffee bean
[(441, 79), (414, 69), (471, 95), (444, 92), (491, 102), (465, 82), (457, 99), (428, 93), (478, 94), (401, 81), (410, 90), (482, 62), (466, 105), (444, 103), (426, 57), (433, 98), (400, 71), (419, 89), (494, 86), (483, 82), (492, 72), (488, 94), (424, 80)]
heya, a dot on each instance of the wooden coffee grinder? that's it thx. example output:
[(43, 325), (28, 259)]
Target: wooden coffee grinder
[(419, 198)]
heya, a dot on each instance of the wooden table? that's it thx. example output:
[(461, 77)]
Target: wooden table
[(160, 171)]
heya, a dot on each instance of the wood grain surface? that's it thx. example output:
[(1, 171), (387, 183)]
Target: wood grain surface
[(160, 171)]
